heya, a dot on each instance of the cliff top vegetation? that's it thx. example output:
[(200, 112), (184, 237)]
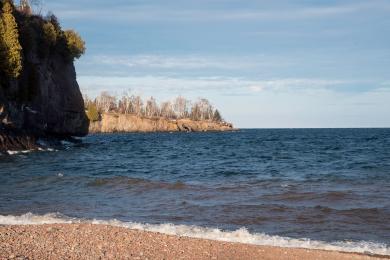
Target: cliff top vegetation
[(22, 32)]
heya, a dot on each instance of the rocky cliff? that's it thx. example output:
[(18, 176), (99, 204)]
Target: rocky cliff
[(45, 99), (113, 122)]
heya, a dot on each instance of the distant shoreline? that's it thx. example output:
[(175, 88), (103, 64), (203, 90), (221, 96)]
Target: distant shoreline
[(127, 123), (91, 241)]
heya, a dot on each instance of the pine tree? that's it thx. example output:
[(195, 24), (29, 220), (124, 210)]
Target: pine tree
[(12, 60), (75, 44), (3, 48), (217, 116)]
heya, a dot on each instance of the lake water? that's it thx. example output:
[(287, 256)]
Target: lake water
[(329, 186)]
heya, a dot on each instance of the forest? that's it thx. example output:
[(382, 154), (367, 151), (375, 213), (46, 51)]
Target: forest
[(128, 103)]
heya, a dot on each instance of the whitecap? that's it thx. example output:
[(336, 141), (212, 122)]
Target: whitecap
[(19, 152), (238, 236)]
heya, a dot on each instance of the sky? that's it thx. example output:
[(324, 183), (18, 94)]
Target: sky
[(263, 64)]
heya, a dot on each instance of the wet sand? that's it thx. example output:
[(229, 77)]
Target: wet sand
[(87, 241)]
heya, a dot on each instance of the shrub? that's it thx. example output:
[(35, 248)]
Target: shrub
[(54, 21), (92, 113), (75, 44), (50, 33)]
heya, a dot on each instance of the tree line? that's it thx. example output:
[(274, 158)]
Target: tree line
[(179, 108), (22, 32)]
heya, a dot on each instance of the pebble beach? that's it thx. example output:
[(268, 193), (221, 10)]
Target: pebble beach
[(89, 241)]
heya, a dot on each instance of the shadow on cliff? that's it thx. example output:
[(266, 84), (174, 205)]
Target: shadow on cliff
[(44, 100)]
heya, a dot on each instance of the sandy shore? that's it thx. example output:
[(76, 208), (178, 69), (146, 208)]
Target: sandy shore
[(87, 241)]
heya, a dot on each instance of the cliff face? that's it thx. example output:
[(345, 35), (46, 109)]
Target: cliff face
[(56, 108), (111, 123), (45, 99)]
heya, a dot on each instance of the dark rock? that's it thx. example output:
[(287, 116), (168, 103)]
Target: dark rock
[(45, 101), (16, 140), (57, 107)]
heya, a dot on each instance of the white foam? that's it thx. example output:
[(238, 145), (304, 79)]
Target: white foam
[(18, 152), (29, 151), (239, 236)]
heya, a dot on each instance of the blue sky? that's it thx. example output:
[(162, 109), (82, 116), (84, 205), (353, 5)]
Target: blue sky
[(262, 63)]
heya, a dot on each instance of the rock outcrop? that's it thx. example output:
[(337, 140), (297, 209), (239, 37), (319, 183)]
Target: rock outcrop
[(57, 107), (16, 141), (45, 100), (113, 122)]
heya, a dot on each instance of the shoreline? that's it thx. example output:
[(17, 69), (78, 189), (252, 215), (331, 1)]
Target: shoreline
[(75, 241), (130, 123)]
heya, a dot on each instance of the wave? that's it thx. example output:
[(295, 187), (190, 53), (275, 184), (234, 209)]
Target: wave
[(18, 152), (129, 182), (239, 236), (30, 151)]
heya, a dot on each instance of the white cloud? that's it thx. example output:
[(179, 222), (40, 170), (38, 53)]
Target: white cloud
[(93, 85), (175, 62), (256, 88), (263, 103)]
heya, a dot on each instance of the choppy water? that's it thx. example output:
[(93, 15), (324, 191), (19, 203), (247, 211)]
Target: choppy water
[(318, 184)]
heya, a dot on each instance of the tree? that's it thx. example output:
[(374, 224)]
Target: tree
[(151, 109), (50, 33), (87, 101), (125, 105), (11, 61), (206, 109), (75, 44), (54, 21), (138, 105), (167, 110), (180, 106), (25, 7), (217, 116), (202, 110), (3, 48), (105, 102), (92, 112), (195, 112)]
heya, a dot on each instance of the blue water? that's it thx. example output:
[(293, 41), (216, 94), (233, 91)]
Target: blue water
[(324, 184)]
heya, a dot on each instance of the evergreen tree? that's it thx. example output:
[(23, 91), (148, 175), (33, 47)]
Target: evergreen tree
[(3, 48), (12, 60), (217, 116), (50, 33), (75, 44)]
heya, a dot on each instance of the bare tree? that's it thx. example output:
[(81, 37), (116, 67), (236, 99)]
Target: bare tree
[(151, 109), (87, 101), (131, 104), (202, 110), (167, 110), (195, 112), (106, 103), (137, 105), (125, 104), (180, 106)]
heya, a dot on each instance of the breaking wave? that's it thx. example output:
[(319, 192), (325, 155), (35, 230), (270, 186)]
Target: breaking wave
[(30, 151), (239, 236)]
